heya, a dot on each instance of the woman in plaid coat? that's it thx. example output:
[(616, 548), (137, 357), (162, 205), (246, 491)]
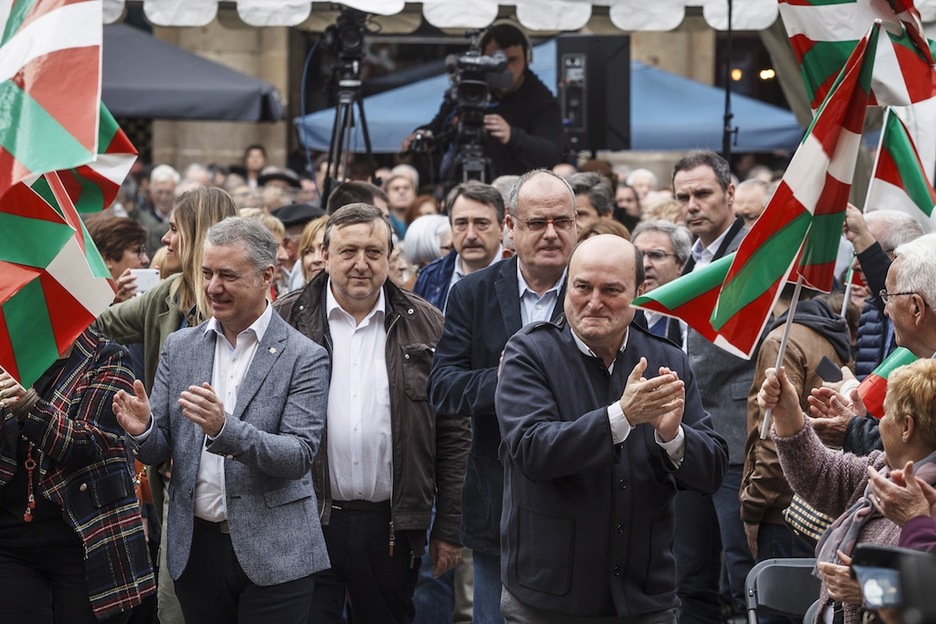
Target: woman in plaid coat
[(72, 547)]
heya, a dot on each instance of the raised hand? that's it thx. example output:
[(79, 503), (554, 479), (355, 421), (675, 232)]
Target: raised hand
[(133, 411)]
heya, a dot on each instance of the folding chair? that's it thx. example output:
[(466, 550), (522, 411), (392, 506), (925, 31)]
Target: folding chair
[(781, 587)]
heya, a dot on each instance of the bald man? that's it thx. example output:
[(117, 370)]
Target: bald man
[(602, 422)]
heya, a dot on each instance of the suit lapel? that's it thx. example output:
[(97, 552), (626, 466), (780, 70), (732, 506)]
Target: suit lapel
[(270, 348), (508, 296)]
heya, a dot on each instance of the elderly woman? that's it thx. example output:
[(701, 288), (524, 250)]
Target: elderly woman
[(838, 484), (72, 547)]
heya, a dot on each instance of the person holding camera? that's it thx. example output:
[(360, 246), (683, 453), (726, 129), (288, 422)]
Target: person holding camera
[(522, 122)]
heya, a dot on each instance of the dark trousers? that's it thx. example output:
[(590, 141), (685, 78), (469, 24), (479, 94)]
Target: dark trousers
[(46, 585), (710, 540), (214, 589), (379, 587)]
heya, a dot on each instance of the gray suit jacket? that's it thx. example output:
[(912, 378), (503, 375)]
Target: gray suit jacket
[(724, 379), (268, 444)]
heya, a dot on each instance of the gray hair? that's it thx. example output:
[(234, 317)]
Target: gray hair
[(424, 239), (514, 195), (756, 183), (259, 241), (164, 173), (705, 158), (918, 267), (679, 235), (899, 228), (636, 173), (597, 188)]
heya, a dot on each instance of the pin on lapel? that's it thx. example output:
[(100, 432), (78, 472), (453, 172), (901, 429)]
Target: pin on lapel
[(272, 350)]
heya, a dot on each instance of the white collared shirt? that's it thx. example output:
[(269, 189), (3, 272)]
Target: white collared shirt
[(227, 374), (534, 308), (360, 449), (620, 427), (705, 255)]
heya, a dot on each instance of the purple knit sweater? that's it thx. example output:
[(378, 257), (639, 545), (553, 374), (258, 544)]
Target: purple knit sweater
[(831, 481)]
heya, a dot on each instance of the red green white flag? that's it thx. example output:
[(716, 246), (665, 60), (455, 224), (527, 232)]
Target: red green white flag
[(873, 388), (53, 281), (50, 86), (823, 33), (800, 228), (49, 292), (691, 298), (899, 181)]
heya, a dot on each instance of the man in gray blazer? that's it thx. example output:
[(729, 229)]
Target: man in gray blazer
[(239, 406)]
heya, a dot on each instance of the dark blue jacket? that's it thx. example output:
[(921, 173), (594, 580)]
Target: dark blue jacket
[(871, 344), (482, 313), (433, 281), (588, 524)]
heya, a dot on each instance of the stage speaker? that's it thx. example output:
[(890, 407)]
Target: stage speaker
[(594, 90)]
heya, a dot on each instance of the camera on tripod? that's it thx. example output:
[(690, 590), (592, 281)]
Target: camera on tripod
[(345, 38), (473, 76)]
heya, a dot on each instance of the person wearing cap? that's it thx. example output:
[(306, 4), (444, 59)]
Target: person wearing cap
[(294, 218)]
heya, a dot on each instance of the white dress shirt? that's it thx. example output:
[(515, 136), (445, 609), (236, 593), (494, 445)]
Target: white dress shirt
[(533, 307), (230, 367), (705, 255), (360, 449), (621, 427), (228, 371)]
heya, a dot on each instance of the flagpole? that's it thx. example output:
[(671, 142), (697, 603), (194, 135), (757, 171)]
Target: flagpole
[(877, 157), (848, 285), (765, 426), (864, 208)]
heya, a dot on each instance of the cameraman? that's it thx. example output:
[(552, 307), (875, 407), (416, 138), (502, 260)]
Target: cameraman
[(524, 127)]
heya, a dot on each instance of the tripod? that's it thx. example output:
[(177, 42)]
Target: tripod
[(348, 79)]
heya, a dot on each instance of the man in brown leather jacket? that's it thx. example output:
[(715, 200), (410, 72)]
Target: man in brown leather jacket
[(385, 456)]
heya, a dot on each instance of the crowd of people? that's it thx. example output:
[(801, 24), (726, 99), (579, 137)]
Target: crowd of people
[(394, 404)]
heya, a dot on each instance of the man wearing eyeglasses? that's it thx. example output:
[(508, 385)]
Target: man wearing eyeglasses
[(665, 248), (485, 309), (476, 212)]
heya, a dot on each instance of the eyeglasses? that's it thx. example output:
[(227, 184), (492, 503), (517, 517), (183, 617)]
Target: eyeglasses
[(539, 225), (656, 255), (482, 225), (885, 296)]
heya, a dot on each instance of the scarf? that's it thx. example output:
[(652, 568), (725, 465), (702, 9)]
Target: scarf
[(843, 533)]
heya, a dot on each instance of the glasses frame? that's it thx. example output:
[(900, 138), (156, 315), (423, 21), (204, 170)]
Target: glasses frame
[(885, 296), (568, 224)]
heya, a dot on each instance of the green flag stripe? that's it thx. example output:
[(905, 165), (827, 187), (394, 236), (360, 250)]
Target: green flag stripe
[(824, 59), (17, 16), (107, 129), (900, 357), (95, 261), (901, 151), (31, 242), (828, 2), (689, 286), (91, 198), (761, 270), (31, 333), (824, 235), (56, 149)]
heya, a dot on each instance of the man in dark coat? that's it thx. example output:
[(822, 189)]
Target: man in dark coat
[(602, 422)]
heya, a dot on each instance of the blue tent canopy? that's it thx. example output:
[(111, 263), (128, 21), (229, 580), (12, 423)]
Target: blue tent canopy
[(668, 112)]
